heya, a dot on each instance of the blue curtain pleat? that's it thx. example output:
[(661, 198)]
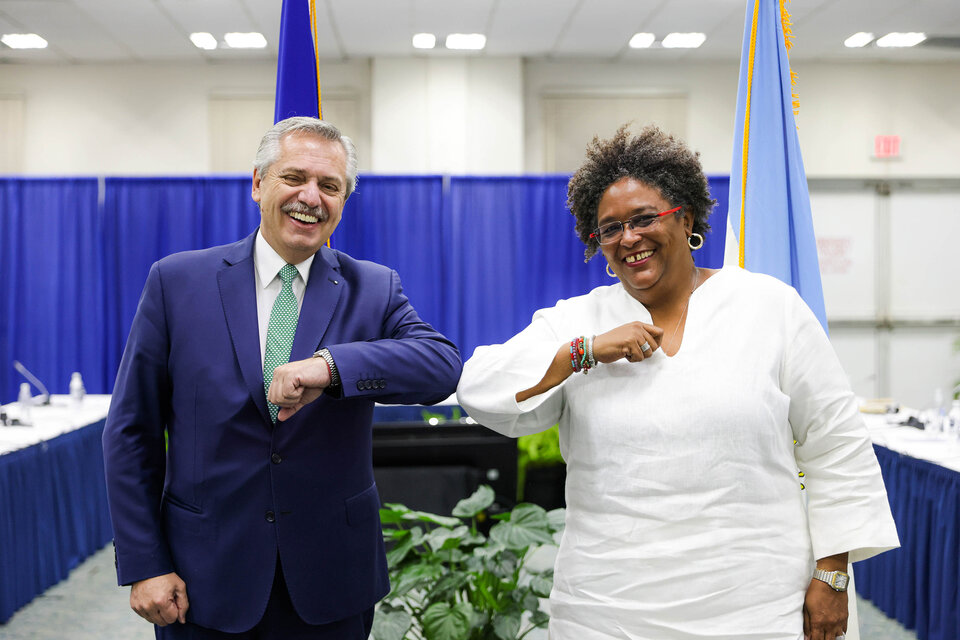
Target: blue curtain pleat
[(477, 256), (395, 221), (145, 219), (51, 282), (917, 584)]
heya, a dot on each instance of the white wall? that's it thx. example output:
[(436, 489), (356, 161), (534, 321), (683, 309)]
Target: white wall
[(447, 115), (470, 114), (134, 119), (842, 108)]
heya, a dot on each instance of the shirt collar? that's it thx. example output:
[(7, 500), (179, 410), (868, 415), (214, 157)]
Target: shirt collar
[(268, 262)]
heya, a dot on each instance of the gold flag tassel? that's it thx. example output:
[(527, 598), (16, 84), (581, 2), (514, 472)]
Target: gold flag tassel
[(788, 43)]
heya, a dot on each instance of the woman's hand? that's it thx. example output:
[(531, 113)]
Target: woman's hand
[(627, 341), (824, 612)]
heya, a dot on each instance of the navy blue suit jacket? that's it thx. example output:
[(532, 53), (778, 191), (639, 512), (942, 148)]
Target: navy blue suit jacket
[(232, 490)]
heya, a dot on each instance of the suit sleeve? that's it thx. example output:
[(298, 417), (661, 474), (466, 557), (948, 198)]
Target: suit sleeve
[(410, 363), (133, 442)]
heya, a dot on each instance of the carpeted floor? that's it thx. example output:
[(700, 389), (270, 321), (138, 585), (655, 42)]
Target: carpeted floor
[(89, 606)]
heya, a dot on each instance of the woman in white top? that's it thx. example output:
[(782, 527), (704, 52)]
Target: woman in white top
[(685, 517)]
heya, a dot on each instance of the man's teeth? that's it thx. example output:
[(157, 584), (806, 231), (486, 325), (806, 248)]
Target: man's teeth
[(643, 255), (303, 217)]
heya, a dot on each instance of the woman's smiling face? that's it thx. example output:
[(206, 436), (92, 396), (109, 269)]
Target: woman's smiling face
[(641, 258)]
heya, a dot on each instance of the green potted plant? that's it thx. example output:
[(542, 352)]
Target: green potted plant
[(451, 582), (541, 469)]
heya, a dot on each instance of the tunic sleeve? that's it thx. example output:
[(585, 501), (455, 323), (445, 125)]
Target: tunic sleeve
[(495, 374), (847, 505)]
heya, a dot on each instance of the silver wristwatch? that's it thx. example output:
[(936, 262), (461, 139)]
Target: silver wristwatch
[(334, 374), (838, 580)]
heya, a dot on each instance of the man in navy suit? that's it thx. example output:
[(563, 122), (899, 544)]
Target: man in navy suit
[(258, 521)]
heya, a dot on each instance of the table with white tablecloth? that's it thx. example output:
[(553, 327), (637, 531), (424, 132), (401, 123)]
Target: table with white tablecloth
[(918, 583), (53, 499)]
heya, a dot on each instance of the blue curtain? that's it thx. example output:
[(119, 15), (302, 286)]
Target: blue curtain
[(145, 219), (396, 221), (918, 583), (51, 282), (477, 256)]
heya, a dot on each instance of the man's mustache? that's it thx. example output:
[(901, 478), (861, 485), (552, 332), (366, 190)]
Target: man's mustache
[(299, 207)]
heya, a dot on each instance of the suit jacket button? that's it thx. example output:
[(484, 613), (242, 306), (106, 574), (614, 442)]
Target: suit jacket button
[(270, 517), (276, 459), (383, 383), (359, 385)]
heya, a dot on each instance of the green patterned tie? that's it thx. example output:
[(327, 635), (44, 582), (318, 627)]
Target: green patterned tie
[(280, 331)]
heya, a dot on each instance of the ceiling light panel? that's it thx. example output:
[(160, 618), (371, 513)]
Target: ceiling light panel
[(859, 39), (466, 41), (203, 40), (424, 41), (251, 40), (23, 41), (641, 40), (690, 40), (897, 39)]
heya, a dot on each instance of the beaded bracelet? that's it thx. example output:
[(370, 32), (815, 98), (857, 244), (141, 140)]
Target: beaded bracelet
[(581, 354)]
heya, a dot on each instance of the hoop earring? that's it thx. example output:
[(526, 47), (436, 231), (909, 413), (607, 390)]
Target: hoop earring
[(610, 273), (694, 244)]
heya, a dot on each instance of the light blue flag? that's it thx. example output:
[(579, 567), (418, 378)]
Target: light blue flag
[(769, 226), (298, 71)]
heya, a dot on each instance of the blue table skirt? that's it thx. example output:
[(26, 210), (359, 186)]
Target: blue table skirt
[(917, 584), (53, 513)]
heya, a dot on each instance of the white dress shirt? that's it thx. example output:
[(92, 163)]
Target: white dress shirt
[(267, 264)]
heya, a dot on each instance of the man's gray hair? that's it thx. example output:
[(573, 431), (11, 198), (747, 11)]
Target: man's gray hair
[(269, 150)]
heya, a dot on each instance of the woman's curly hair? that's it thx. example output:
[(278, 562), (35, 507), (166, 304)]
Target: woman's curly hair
[(652, 157)]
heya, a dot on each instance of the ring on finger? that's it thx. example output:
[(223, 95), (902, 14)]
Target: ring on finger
[(645, 347)]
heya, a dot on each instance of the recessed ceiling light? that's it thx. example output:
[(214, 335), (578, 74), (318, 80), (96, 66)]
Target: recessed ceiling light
[(641, 40), (424, 41), (683, 40), (901, 39), (23, 41), (860, 39), (469, 41), (251, 40), (203, 40)]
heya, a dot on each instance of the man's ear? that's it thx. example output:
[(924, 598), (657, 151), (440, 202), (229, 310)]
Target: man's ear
[(255, 188)]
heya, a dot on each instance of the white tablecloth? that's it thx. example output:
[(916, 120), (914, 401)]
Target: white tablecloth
[(60, 416), (932, 446)]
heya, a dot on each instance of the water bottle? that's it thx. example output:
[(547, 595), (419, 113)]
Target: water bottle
[(77, 391), (25, 401), (953, 419)]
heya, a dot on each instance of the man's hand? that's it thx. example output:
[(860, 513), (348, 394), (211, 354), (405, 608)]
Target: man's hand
[(297, 384), (161, 600)]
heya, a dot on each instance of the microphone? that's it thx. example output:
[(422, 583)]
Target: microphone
[(34, 380)]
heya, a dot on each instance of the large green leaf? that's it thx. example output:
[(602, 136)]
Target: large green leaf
[(391, 624), (444, 538), (556, 518), (541, 585), (423, 516), (442, 621), (447, 586), (405, 545), (481, 499), (528, 525), (506, 626), (415, 576)]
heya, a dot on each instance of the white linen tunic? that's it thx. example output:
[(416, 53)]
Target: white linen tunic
[(685, 518)]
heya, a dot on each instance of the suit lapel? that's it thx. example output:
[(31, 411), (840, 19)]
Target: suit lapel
[(320, 300), (238, 295)]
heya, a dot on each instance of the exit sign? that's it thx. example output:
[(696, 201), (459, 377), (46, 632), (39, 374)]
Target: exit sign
[(886, 147)]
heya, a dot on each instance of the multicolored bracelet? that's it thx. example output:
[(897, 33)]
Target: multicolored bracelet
[(581, 354)]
